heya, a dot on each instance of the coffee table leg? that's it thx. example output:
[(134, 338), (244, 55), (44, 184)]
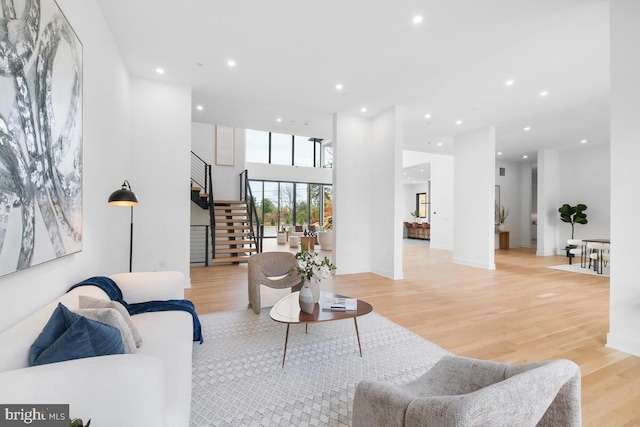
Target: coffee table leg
[(355, 322), (286, 339)]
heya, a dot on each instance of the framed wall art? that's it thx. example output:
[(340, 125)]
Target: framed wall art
[(225, 146), (40, 135)]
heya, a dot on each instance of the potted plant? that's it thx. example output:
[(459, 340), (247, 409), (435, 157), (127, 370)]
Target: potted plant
[(414, 214), (312, 270), (503, 213), (573, 215)]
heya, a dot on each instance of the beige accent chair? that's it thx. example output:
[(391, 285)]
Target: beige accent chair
[(464, 392), (271, 269)]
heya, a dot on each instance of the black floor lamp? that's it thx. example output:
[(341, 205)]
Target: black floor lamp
[(125, 197)]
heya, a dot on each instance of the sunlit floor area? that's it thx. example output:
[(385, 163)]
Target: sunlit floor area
[(522, 311)]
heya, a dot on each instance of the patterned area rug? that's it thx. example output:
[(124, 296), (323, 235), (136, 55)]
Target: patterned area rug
[(238, 378)]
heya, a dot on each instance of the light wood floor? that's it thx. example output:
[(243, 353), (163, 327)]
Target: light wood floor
[(520, 312)]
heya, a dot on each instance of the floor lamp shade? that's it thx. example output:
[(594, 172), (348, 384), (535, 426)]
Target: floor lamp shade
[(126, 197)]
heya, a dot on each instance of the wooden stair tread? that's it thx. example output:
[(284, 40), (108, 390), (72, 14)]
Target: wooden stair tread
[(235, 250), (233, 242), (230, 202), (194, 188), (231, 227), (221, 235), (226, 260)]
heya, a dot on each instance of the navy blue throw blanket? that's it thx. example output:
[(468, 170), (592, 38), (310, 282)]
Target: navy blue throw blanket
[(115, 294)]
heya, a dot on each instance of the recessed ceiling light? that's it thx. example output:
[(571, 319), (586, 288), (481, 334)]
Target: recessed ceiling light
[(439, 144), (363, 110), (509, 82), (584, 141), (231, 63), (417, 19), (278, 119), (408, 177), (459, 122), (160, 70), (527, 128), (544, 93), (421, 170), (199, 107), (427, 116), (339, 86), (499, 153), (525, 157)]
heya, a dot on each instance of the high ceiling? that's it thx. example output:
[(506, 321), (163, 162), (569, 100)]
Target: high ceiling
[(291, 54)]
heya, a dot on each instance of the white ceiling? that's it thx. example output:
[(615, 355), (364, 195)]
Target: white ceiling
[(290, 55)]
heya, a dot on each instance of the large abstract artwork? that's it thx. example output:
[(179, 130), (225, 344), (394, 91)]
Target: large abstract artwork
[(40, 135)]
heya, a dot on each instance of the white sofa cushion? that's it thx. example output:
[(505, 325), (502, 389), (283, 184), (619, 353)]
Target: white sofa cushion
[(136, 287)]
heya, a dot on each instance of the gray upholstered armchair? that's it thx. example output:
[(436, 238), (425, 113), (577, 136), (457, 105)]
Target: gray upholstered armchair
[(271, 269), (464, 392)]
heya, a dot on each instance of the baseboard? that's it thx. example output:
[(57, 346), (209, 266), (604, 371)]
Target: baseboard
[(623, 344), (469, 263), (388, 274)]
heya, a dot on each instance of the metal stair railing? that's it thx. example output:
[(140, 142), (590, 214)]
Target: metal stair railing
[(256, 229), (202, 177)]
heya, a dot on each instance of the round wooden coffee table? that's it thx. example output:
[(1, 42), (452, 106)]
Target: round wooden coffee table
[(287, 310)]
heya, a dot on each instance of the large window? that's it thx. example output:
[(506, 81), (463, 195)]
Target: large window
[(280, 204), (257, 146), (289, 150), (281, 149), (303, 151)]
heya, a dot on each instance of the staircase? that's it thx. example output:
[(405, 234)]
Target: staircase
[(233, 238)]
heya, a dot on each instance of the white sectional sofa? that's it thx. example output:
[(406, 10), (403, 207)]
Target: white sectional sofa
[(149, 388)]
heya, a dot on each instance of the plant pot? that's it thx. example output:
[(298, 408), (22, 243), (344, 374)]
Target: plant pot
[(501, 227)]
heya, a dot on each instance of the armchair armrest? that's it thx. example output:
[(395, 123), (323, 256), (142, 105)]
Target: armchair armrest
[(150, 285), (113, 390), (380, 404)]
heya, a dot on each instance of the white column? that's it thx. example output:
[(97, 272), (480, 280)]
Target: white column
[(624, 333), (474, 193), (548, 202)]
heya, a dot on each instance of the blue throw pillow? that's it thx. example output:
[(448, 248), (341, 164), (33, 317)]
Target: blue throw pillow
[(68, 336)]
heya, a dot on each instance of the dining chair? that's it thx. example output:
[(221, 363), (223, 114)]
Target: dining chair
[(580, 249), (600, 254)]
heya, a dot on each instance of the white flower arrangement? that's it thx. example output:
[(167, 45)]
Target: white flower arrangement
[(311, 266)]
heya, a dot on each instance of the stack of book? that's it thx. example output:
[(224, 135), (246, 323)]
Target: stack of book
[(340, 304)]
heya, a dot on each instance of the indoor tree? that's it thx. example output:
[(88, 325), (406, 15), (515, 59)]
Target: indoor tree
[(573, 215)]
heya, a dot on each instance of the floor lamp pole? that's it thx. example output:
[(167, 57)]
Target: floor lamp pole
[(131, 244)]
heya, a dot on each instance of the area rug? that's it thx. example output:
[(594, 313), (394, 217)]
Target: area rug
[(238, 378), (575, 268)]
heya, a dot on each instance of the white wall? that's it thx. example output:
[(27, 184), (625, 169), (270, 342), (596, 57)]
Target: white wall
[(160, 172), (585, 177), (624, 333), (474, 194), (289, 173), (106, 141), (352, 191), (226, 179)]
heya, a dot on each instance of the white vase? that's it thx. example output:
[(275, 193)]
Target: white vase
[(501, 227), (306, 299), (314, 285)]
